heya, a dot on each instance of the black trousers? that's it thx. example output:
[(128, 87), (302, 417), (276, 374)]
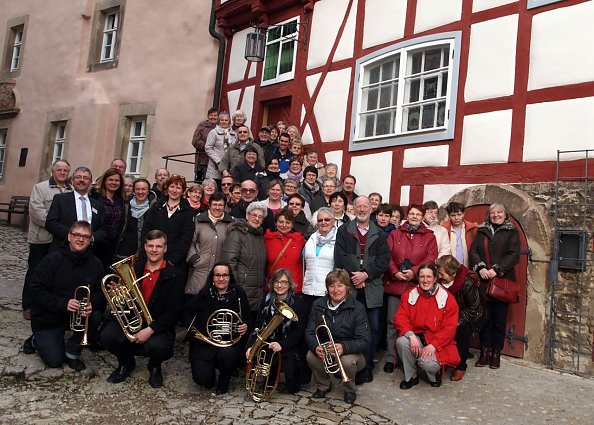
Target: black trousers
[(463, 334), (36, 253), (493, 333), (226, 360), (158, 348), (52, 348)]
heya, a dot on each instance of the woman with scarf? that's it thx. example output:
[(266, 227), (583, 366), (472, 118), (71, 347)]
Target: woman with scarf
[(217, 143), (210, 232), (495, 251), (318, 257), (264, 178), (310, 186), (463, 284), (426, 322), (220, 292), (275, 193), (287, 340), (194, 196), (411, 244), (295, 169), (135, 210), (111, 194)]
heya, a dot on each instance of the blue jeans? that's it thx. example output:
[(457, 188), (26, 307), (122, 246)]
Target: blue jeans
[(373, 317)]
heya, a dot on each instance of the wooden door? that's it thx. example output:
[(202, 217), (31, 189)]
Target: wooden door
[(516, 316), (276, 110)]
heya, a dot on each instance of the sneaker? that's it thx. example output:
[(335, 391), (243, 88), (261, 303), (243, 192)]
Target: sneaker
[(29, 345), (75, 364)]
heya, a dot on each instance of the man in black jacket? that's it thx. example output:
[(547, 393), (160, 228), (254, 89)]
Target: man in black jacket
[(163, 292), (53, 299)]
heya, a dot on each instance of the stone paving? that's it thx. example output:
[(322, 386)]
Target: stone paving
[(519, 392)]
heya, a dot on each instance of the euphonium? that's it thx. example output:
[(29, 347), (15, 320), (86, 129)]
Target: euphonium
[(332, 362), (221, 328), (258, 381), (125, 298), (79, 320)]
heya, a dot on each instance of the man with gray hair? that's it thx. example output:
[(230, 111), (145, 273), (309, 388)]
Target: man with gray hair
[(249, 194)]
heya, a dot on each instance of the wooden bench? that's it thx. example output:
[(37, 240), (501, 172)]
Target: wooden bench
[(17, 205)]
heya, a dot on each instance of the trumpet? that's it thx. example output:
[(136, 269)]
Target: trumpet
[(260, 379), (125, 298), (79, 320), (332, 362), (221, 328)]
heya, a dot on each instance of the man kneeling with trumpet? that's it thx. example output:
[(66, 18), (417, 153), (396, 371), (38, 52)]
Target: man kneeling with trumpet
[(337, 335), (144, 311)]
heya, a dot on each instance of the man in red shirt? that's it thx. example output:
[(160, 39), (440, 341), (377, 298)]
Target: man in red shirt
[(163, 293)]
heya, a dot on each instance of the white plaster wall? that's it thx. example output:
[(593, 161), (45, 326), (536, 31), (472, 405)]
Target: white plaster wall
[(334, 157), (404, 196), (247, 103), (306, 136), (237, 63), (430, 156), (561, 47), (327, 17), (486, 138), (492, 59), (478, 5), (440, 193), (384, 21), (432, 13), (331, 105), (233, 98), (562, 125), (312, 82), (373, 173)]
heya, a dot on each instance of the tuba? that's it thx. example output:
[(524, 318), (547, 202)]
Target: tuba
[(258, 381), (221, 328), (125, 298), (79, 320), (332, 362)]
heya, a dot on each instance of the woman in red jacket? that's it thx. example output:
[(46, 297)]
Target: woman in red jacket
[(411, 244), (284, 247), (426, 320)]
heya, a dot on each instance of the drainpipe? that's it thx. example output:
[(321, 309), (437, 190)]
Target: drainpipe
[(221, 57)]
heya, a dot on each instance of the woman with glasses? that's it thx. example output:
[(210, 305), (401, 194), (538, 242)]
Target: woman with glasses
[(245, 251), (287, 340), (274, 200), (194, 195), (318, 257), (284, 246), (135, 212), (220, 292), (218, 141), (295, 169), (296, 204), (173, 215), (210, 232), (411, 244)]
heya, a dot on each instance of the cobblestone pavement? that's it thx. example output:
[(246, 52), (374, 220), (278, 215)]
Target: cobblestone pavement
[(519, 392)]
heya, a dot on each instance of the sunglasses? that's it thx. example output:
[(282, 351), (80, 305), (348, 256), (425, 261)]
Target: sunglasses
[(248, 190), (295, 204), (242, 132), (226, 184), (324, 220)]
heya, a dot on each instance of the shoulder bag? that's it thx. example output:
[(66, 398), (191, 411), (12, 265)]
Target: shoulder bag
[(500, 288)]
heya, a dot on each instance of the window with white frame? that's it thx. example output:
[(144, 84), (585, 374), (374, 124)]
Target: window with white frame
[(281, 49), (136, 145), (16, 49), (59, 141), (406, 93), (110, 32), (3, 133)]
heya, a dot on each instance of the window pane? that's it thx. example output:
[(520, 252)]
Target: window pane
[(415, 87), (432, 59), (372, 97), (417, 59), (374, 75), (134, 165), (369, 124), (441, 114), (430, 88), (134, 149), (446, 56), (271, 61), (444, 84), (385, 96), (274, 34), (286, 60), (387, 71), (413, 118), (395, 94), (138, 128), (384, 120), (428, 116), (289, 28)]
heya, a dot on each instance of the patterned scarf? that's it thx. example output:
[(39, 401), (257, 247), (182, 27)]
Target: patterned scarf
[(223, 299), (312, 188), (269, 310), (138, 211), (323, 240), (411, 228)]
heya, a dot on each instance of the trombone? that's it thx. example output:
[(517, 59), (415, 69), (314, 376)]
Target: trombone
[(79, 320), (332, 362)]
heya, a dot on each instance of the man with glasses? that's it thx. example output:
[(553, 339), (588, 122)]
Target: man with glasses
[(362, 250), (441, 234), (235, 154), (249, 193), (322, 198), (226, 183), (74, 206), (53, 298)]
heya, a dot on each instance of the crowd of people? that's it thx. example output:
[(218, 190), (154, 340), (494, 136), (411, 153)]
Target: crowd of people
[(268, 222)]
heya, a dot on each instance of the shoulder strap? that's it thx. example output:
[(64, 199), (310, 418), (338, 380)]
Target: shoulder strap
[(270, 270), (487, 253)]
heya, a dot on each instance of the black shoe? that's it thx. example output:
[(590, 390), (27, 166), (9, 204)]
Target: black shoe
[(350, 398), (389, 367), (407, 385), (75, 364), (321, 393), (29, 345), (366, 375), (121, 373), (437, 382), (222, 388), (155, 377)]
